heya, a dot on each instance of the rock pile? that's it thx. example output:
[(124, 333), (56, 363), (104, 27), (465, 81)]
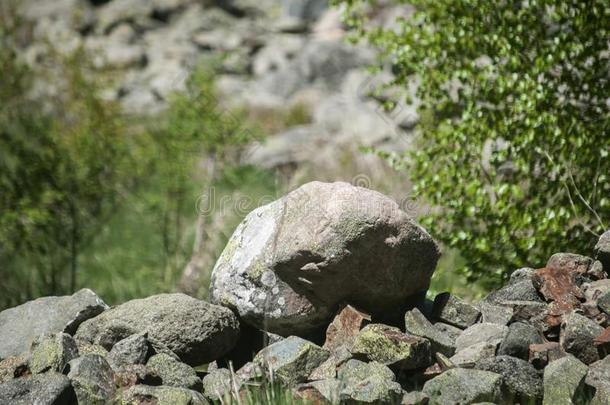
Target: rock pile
[(542, 338)]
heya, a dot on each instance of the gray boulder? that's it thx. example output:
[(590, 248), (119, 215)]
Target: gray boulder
[(92, 379), (52, 353), (41, 389), (473, 354), (464, 386), (523, 383), (368, 383), (290, 263), (218, 384), (21, 325), (291, 360), (599, 378), (197, 331)]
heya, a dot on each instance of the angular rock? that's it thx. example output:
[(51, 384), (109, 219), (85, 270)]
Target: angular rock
[(92, 379), (196, 331), (328, 369), (602, 343), (570, 262), (542, 354), (146, 394), (417, 324), (368, 383), (517, 291), (13, 367), (564, 381), (598, 377), (577, 336), (52, 353), (131, 350), (291, 360), (479, 333), (559, 286), (464, 386), (521, 274), (218, 384), (603, 302), (451, 331), (132, 374), (523, 382), (492, 313), (525, 310), (291, 262), (174, 373), (90, 348), (602, 251), (41, 389), (319, 392), (250, 372), (517, 341), (473, 354), (345, 327), (388, 345), (21, 325), (452, 310)]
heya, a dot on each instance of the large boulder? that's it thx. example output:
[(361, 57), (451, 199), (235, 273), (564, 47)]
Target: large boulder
[(41, 389), (197, 331), (290, 263), (21, 325)]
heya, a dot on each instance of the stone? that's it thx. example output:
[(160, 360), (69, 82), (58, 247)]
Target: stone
[(570, 262), (415, 398), (131, 350), (389, 346), (521, 274), (602, 343), (523, 383), (602, 251), (196, 331), (319, 392), (52, 353), (131, 374), (328, 369), (564, 381), (598, 375), (464, 386), (290, 263), (516, 291), (92, 379), (417, 324), (42, 389), (250, 372), (146, 394), (542, 354), (218, 384), (345, 327), (558, 285), (492, 313), (21, 325), (174, 373), (452, 332), (479, 333), (577, 335), (90, 348), (452, 310), (14, 367), (603, 302), (472, 354), (517, 341), (291, 360), (368, 383)]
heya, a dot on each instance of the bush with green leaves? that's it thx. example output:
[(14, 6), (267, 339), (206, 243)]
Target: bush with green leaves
[(513, 140)]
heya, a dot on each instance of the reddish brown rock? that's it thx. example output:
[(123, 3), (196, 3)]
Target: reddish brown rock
[(543, 353), (345, 327)]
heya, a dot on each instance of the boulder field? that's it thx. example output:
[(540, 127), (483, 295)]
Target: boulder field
[(324, 292)]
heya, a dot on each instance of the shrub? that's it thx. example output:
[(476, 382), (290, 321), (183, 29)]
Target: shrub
[(513, 145)]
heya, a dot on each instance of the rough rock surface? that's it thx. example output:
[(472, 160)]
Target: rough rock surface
[(52, 353), (452, 310), (464, 386), (290, 263), (174, 373), (521, 379), (19, 326), (92, 379), (564, 381), (417, 324), (44, 389), (145, 394), (196, 331)]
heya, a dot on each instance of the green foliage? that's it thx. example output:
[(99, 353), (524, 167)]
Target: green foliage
[(61, 174), (514, 132)]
